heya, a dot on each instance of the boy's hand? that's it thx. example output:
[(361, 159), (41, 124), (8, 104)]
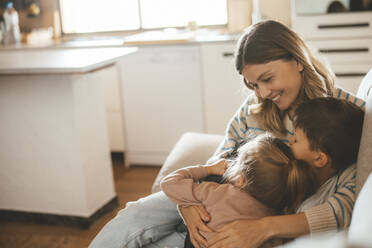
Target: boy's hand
[(218, 168)]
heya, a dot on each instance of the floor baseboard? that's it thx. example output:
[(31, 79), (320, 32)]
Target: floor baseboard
[(59, 220)]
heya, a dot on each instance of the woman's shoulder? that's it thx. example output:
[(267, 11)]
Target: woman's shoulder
[(343, 94)]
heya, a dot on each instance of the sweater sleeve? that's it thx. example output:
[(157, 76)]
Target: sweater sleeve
[(241, 127), (182, 188), (335, 213)]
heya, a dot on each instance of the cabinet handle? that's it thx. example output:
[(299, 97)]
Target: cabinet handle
[(346, 25), (344, 50), (227, 54), (353, 74)]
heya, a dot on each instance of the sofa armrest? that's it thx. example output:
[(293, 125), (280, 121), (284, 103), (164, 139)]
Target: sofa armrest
[(191, 149), (361, 223)]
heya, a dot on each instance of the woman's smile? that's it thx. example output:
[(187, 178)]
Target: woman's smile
[(279, 81)]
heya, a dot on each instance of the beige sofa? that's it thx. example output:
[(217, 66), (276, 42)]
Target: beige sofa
[(196, 148)]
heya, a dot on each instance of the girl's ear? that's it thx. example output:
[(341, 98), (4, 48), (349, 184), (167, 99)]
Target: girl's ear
[(322, 160)]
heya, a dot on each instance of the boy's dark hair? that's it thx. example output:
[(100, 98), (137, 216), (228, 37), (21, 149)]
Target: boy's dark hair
[(333, 126)]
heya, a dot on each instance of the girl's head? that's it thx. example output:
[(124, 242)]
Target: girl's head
[(280, 68), (269, 172)]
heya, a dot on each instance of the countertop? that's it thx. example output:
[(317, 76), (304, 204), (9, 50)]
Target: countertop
[(161, 37), (48, 61)]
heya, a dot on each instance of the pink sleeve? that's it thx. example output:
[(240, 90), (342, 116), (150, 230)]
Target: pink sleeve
[(182, 188)]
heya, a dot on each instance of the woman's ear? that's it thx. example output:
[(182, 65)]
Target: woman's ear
[(240, 182), (321, 160), (300, 66)]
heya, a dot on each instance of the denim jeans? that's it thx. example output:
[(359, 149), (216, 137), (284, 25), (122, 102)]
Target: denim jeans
[(152, 221)]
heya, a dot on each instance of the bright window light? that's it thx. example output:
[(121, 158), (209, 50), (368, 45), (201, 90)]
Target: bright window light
[(84, 16), (177, 13)]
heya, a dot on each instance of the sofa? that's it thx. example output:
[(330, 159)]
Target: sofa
[(196, 148)]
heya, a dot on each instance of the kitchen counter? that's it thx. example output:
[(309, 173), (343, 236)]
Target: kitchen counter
[(50, 61), (162, 37), (55, 158)]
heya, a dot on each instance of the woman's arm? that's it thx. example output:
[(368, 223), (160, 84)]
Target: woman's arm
[(253, 233), (237, 129)]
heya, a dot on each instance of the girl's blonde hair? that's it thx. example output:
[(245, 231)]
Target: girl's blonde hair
[(271, 174), (268, 41)]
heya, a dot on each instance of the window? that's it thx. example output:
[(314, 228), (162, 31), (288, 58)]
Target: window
[(84, 16)]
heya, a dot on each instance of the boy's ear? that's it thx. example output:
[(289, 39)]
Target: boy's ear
[(321, 160)]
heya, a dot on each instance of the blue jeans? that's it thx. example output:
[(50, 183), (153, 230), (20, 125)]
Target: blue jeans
[(152, 221)]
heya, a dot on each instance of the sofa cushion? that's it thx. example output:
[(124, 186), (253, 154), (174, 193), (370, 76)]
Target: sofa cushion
[(191, 149), (365, 155)]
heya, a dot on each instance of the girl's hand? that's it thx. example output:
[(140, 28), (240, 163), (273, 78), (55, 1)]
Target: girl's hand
[(241, 233), (195, 218), (218, 168)]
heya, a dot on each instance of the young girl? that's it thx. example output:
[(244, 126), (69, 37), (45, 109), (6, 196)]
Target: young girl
[(264, 180)]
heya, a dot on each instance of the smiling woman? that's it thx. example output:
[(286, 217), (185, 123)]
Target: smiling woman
[(113, 15)]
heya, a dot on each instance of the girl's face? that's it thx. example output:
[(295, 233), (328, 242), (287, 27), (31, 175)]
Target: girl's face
[(279, 81)]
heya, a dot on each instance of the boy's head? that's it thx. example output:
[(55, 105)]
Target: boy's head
[(270, 173), (327, 131)]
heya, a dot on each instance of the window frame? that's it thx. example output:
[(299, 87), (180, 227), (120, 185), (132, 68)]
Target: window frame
[(135, 31)]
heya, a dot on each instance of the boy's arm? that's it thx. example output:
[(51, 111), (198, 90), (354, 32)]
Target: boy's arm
[(335, 213)]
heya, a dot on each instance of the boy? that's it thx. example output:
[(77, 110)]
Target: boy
[(327, 134)]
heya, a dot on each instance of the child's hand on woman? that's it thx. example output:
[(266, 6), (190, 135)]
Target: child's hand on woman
[(218, 168)]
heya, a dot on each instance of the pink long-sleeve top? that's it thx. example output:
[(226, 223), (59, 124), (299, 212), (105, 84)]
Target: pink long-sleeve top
[(224, 202)]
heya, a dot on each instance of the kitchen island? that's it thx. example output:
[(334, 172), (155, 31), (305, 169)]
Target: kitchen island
[(54, 156)]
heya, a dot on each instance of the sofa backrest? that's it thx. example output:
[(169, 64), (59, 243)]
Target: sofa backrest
[(364, 163)]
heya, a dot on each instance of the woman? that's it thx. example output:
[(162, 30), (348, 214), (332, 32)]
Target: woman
[(278, 66)]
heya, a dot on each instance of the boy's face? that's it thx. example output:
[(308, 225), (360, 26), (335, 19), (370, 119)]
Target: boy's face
[(300, 147)]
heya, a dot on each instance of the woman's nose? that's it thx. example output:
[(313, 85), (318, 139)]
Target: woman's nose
[(264, 91)]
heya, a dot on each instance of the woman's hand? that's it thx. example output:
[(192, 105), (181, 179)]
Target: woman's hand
[(242, 234), (218, 168), (195, 218)]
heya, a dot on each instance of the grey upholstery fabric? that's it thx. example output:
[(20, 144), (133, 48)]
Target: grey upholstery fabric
[(364, 163)]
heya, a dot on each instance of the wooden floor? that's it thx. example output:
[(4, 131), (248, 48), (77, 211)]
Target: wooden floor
[(130, 185)]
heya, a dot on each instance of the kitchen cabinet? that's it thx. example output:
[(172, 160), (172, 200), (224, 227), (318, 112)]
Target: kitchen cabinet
[(223, 92), (162, 99), (55, 158), (113, 109), (168, 90), (344, 39)]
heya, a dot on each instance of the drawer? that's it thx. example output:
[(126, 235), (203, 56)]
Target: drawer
[(349, 77), (344, 51), (337, 25)]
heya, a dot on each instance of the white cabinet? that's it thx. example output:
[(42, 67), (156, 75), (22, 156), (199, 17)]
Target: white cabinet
[(113, 108), (162, 99), (221, 83), (345, 39)]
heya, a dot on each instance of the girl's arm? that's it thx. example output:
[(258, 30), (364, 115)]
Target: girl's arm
[(182, 188)]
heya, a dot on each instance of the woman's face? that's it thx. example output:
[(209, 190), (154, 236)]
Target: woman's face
[(279, 81)]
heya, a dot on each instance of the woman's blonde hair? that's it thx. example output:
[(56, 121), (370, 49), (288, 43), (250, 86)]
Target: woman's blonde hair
[(271, 174), (268, 41)]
